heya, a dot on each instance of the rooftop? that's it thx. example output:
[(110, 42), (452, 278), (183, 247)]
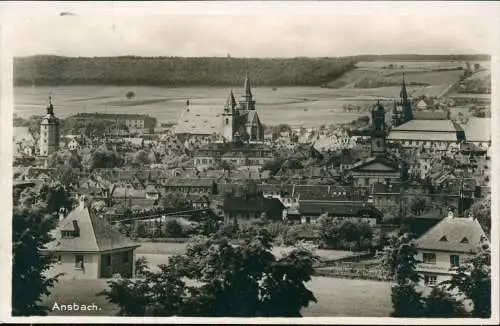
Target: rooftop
[(478, 129), (427, 125), (199, 120), (95, 233), (453, 234)]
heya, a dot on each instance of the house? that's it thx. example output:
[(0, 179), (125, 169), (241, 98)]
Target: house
[(311, 210), (236, 153), (421, 105), (86, 246), (152, 192), (446, 246), (73, 145), (375, 169), (239, 209)]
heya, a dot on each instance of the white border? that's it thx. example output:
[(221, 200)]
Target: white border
[(190, 8)]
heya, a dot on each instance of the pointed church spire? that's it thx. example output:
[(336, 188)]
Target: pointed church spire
[(403, 94), (247, 87), (231, 102), (50, 107)]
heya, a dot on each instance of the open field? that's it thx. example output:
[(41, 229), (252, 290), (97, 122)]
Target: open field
[(306, 106)]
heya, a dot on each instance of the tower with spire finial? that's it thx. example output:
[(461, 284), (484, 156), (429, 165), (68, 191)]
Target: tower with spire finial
[(247, 102), (49, 132), (402, 111), (378, 132), (228, 117)]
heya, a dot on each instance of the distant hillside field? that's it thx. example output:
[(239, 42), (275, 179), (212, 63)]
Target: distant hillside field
[(214, 71), (174, 71)]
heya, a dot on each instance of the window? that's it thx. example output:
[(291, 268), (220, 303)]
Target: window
[(464, 240), (67, 234), (126, 258), (443, 239), (106, 260), (59, 259), (367, 181), (454, 260), (429, 258), (79, 263), (430, 279)]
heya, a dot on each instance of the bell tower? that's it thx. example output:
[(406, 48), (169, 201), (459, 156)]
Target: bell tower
[(228, 117), (49, 132), (378, 132)]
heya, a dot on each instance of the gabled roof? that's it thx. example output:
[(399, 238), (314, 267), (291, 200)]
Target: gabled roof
[(354, 209), (254, 204), (379, 161), (96, 234), (455, 230)]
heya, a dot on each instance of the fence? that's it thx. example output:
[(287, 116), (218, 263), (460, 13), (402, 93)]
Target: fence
[(354, 271)]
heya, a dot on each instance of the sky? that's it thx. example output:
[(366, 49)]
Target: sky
[(254, 29)]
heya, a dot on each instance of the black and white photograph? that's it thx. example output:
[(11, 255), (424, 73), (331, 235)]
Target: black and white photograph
[(251, 160)]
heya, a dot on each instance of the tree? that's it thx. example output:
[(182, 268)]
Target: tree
[(130, 95), (140, 159), (30, 232), (244, 280), (440, 304), (173, 229), (105, 159), (473, 280), (398, 258)]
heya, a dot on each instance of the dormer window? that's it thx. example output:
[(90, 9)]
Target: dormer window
[(443, 239), (464, 240)]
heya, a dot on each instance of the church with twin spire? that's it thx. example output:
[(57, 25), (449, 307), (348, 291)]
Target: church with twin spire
[(242, 135), (240, 119)]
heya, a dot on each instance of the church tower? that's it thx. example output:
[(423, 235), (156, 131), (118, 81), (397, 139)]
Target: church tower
[(405, 102), (378, 132), (247, 103), (402, 111), (228, 117), (49, 132)]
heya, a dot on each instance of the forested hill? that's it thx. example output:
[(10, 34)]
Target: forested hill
[(179, 71)]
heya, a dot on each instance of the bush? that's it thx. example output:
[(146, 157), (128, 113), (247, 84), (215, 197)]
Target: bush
[(173, 229)]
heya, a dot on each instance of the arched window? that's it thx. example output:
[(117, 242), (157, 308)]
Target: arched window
[(227, 121)]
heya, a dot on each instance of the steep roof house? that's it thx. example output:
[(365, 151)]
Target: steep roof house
[(86, 246)]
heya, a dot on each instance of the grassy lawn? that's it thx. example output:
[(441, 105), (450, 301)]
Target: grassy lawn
[(336, 297)]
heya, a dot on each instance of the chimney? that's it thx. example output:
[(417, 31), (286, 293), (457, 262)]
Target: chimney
[(83, 201), (62, 213), (77, 228)]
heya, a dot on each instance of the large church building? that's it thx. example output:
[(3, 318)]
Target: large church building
[(242, 132), (241, 120)]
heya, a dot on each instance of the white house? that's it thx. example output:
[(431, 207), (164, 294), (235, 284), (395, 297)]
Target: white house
[(447, 245), (87, 247)]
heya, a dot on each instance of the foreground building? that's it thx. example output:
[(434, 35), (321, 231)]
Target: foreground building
[(446, 246), (87, 247)]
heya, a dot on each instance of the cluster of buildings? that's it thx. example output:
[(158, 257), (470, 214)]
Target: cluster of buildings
[(378, 187)]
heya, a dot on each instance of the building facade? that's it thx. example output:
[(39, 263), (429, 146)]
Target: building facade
[(447, 245)]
